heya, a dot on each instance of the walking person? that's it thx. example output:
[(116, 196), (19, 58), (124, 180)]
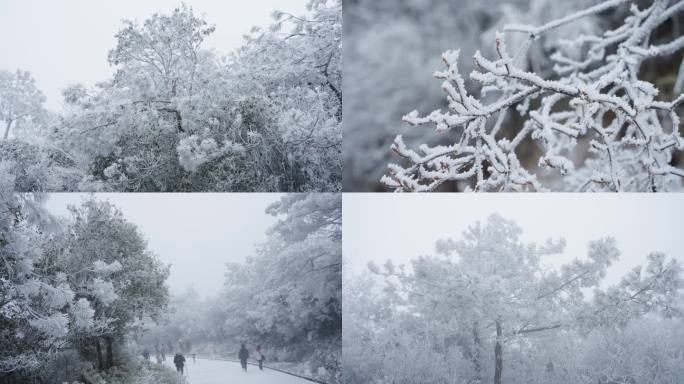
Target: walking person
[(193, 358), (179, 362), (243, 355), (260, 357)]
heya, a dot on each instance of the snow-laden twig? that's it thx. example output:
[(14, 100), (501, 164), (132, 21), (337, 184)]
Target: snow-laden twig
[(536, 31), (596, 99)]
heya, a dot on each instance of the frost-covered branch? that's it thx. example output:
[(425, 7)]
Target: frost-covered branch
[(597, 101)]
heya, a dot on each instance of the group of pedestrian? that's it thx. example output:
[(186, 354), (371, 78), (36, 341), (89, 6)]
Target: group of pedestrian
[(160, 351), (179, 359), (243, 355)]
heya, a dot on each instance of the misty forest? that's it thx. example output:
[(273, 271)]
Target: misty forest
[(486, 308), (83, 300), (530, 95), (176, 116)]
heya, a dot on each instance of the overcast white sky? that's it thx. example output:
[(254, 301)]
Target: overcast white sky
[(196, 233), (401, 227), (66, 42)]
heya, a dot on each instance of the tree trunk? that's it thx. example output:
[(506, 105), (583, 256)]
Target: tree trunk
[(110, 354), (100, 363), (338, 94), (7, 130), (498, 355), (477, 354), (177, 115), (333, 88), (66, 369)]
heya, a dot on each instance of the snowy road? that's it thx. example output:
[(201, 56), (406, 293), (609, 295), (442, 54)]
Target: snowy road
[(225, 372)]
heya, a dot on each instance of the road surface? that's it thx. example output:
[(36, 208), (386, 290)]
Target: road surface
[(224, 372)]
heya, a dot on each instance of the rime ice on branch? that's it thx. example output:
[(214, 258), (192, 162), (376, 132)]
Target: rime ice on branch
[(597, 99)]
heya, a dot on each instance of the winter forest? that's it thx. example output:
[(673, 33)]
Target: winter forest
[(176, 116), (485, 307), (535, 95), (83, 299), (177, 178)]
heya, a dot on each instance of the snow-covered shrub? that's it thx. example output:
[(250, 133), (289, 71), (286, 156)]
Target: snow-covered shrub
[(193, 153), (648, 351), (30, 167), (70, 367), (82, 314), (596, 103), (54, 326)]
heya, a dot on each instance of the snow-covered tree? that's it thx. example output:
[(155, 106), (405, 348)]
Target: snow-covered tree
[(67, 285), (291, 75), (109, 265), (597, 102), (184, 322), (163, 54), (488, 308), (31, 317), (289, 293), (20, 99), (177, 116)]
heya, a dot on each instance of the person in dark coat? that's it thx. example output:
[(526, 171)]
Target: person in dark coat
[(179, 361), (243, 355)]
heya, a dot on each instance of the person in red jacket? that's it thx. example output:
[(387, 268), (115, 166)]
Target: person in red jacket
[(260, 357)]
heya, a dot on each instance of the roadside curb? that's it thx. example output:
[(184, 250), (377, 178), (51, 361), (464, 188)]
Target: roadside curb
[(267, 367)]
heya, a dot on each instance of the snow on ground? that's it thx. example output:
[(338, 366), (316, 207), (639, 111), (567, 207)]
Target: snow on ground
[(221, 372)]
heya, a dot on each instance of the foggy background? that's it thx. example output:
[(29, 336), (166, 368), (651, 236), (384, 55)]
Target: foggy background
[(401, 228), (196, 233), (66, 42)]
